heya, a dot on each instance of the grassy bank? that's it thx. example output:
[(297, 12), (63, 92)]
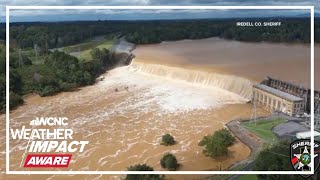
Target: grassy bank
[(263, 128), (248, 177), (85, 54)]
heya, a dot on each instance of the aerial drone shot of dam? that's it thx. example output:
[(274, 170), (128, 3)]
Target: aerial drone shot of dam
[(187, 89)]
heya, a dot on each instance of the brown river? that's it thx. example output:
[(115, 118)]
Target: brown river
[(188, 88)]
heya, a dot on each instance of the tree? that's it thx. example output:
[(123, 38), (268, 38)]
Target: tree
[(167, 140), (143, 167), (14, 100), (95, 53), (169, 161), (216, 145), (226, 136), (275, 158)]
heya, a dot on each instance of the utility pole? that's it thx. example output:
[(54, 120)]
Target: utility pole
[(254, 111)]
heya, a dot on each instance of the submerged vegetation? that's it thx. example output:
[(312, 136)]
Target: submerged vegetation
[(167, 140), (169, 161), (217, 145), (142, 167)]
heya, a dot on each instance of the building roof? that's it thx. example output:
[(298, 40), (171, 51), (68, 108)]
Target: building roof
[(305, 135), (277, 92)]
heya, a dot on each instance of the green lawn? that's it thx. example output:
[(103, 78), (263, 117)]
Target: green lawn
[(263, 128), (82, 50), (85, 55), (81, 47), (248, 177)]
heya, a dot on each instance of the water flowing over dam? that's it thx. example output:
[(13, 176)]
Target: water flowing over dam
[(231, 83)]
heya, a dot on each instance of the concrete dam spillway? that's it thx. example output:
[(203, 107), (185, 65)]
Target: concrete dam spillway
[(230, 83)]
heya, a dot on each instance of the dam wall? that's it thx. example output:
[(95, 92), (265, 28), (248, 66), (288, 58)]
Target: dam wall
[(234, 84), (296, 90)]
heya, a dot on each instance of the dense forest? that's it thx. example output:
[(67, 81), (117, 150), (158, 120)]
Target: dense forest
[(58, 34), (50, 73)]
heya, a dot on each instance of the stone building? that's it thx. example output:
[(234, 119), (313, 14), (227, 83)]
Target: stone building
[(275, 100)]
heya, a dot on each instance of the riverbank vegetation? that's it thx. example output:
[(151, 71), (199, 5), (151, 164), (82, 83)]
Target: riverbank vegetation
[(48, 73), (3, 77)]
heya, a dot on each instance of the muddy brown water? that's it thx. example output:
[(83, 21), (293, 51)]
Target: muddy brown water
[(186, 88), (255, 61)]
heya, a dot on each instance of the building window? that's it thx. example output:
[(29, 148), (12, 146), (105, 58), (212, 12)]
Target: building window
[(270, 101)]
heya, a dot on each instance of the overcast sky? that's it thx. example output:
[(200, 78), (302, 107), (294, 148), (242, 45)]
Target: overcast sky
[(68, 15)]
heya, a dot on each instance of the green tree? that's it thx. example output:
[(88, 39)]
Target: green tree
[(216, 145), (142, 167), (275, 158), (95, 53), (169, 161), (15, 100), (167, 140)]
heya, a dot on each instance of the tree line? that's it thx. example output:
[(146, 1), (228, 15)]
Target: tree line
[(58, 34)]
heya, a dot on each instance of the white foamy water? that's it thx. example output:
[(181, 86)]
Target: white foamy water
[(230, 83), (176, 89)]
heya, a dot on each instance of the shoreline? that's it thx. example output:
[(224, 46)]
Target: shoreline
[(233, 40)]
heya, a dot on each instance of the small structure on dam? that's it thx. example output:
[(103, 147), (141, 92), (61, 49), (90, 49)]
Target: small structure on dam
[(122, 51), (275, 100)]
